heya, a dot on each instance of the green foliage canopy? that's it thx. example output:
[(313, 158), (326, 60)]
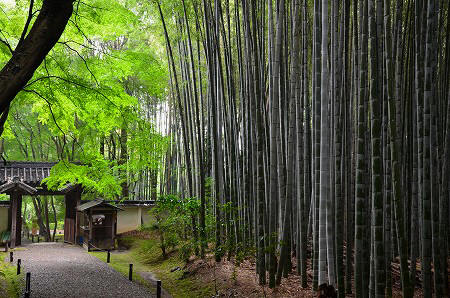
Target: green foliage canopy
[(100, 78)]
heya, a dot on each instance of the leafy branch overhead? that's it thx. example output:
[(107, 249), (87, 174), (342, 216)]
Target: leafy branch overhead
[(99, 77)]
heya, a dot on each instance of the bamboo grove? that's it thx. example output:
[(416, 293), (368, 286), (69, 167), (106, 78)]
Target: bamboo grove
[(322, 129)]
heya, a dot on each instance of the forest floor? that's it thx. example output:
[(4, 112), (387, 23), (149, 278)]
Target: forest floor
[(10, 283), (242, 281), (207, 278)]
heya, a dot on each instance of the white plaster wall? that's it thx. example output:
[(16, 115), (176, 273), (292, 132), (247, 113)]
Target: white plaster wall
[(131, 218), (128, 219), (3, 219)]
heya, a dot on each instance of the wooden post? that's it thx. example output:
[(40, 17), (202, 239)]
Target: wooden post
[(16, 219), (91, 227), (19, 220), (158, 289), (13, 206), (130, 273), (72, 200), (77, 226), (9, 215), (113, 231), (28, 285), (19, 262), (69, 218)]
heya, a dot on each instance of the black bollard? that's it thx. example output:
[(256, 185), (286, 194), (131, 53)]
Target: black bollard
[(158, 289), (108, 257), (39, 239), (32, 238), (11, 256), (19, 262), (130, 273), (28, 285)]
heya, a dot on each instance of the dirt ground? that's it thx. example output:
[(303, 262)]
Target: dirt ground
[(231, 281)]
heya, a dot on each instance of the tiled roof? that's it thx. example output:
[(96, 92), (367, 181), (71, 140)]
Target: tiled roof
[(31, 173), (125, 203), (96, 203), (16, 184)]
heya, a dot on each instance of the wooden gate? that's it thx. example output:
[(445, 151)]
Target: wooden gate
[(70, 230)]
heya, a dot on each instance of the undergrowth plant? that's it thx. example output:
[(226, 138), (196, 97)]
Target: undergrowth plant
[(172, 223)]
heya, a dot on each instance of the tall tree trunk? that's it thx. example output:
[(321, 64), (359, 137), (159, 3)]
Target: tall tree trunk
[(316, 137), (201, 181), (47, 222), (396, 186), (291, 139), (55, 219), (324, 247), (426, 205), (377, 165), (360, 195), (304, 215), (182, 120), (123, 160)]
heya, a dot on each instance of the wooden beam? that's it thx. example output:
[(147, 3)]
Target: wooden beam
[(77, 225), (16, 219), (113, 223), (19, 220), (90, 229), (72, 200), (9, 217), (13, 220)]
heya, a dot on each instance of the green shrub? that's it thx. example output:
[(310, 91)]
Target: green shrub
[(171, 241), (185, 251), (172, 220), (10, 283)]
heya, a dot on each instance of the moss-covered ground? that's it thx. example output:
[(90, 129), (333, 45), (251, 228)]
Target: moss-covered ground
[(146, 256), (11, 284)]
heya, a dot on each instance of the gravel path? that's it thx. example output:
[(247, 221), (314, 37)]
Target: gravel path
[(62, 270), (150, 278)]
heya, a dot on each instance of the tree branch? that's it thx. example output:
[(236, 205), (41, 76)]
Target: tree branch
[(3, 119), (77, 43), (7, 45), (70, 82), (29, 54), (84, 61), (49, 106), (5, 42), (27, 23), (82, 33)]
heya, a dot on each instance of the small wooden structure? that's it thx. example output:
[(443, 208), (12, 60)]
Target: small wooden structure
[(97, 225), (19, 178)]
